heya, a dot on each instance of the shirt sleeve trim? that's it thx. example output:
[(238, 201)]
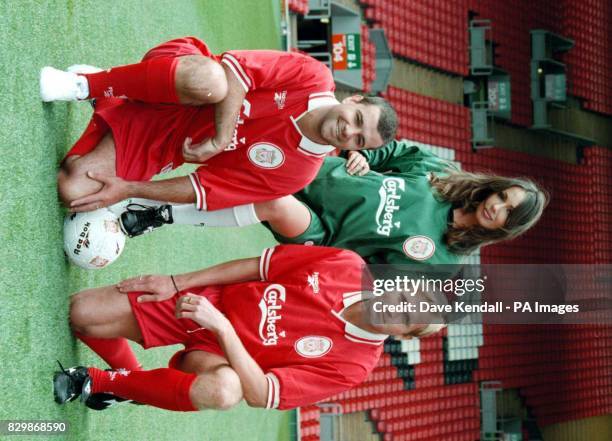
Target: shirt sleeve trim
[(327, 94), (264, 263), (199, 190), (359, 340), (307, 146), (237, 69), (273, 391), (316, 155)]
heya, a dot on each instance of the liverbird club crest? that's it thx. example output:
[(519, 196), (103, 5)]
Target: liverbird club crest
[(419, 247), (266, 155), (313, 346)]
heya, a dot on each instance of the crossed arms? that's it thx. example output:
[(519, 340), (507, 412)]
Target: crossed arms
[(178, 190), (201, 311)]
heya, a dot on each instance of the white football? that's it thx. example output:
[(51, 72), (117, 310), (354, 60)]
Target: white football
[(93, 240)]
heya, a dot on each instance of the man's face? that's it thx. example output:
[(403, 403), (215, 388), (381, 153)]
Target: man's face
[(352, 125)]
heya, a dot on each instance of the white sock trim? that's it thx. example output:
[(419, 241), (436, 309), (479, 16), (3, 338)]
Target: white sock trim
[(82, 87), (200, 192), (240, 216), (245, 215)]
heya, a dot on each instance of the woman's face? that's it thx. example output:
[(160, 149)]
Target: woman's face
[(493, 212)]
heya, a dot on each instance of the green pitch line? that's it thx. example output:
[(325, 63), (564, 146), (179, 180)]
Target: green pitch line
[(35, 280)]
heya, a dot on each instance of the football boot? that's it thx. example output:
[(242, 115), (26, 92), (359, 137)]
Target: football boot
[(140, 219)]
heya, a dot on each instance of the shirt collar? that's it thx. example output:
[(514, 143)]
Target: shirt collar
[(355, 333), (315, 101)]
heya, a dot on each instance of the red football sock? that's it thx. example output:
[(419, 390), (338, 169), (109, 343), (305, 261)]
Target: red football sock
[(151, 81), (165, 388), (115, 351)]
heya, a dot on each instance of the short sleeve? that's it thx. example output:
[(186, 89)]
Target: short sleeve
[(222, 187), (402, 157), (346, 267), (257, 69), (264, 263), (300, 385)]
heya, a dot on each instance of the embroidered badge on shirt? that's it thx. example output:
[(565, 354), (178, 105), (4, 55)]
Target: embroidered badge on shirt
[(419, 247), (266, 155), (313, 346)]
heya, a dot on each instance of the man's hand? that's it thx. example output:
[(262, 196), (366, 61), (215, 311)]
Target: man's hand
[(201, 311), (114, 189), (160, 287), (357, 164), (201, 152)]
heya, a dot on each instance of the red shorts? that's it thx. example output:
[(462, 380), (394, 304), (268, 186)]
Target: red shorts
[(160, 327), (148, 137), (178, 48)]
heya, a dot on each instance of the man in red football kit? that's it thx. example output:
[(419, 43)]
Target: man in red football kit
[(262, 121), (284, 330)]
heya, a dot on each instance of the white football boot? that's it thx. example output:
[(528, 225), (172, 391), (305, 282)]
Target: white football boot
[(58, 85)]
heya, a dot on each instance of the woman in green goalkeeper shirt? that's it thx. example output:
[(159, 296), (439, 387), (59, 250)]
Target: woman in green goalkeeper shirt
[(397, 204), (410, 207)]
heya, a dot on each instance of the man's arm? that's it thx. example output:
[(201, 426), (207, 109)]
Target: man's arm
[(235, 271), (114, 189), (250, 70), (227, 112), (162, 287), (252, 378)]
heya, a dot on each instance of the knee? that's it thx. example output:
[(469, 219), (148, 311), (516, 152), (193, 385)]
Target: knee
[(79, 314), (64, 186), (68, 186), (274, 209), (222, 392), (218, 78), (200, 80)]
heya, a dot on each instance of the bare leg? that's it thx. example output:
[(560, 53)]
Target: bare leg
[(104, 313), (217, 385), (287, 216), (200, 80), (72, 180)]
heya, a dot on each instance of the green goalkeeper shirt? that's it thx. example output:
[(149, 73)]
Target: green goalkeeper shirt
[(390, 215)]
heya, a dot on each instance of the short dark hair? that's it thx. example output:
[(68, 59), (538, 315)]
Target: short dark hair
[(387, 123)]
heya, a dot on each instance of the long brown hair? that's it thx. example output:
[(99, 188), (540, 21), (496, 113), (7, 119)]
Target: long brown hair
[(467, 190)]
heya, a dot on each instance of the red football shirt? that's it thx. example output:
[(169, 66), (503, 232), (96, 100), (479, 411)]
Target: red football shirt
[(290, 322), (268, 157)]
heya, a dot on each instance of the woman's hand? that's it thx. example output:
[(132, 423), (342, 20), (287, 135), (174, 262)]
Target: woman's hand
[(357, 164), (201, 311), (160, 287)]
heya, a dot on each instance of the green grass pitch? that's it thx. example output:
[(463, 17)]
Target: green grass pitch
[(36, 280)]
